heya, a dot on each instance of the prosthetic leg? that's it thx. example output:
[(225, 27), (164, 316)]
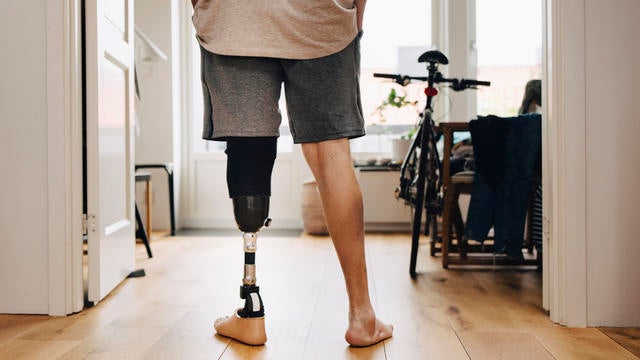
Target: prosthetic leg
[(249, 166), (251, 213)]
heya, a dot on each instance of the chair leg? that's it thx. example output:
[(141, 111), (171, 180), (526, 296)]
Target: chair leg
[(459, 226), (459, 230), (148, 192), (446, 228), (171, 202), (141, 233)]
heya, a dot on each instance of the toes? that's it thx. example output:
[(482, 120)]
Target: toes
[(220, 321), (387, 332)]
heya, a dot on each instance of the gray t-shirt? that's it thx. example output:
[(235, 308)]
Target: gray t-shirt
[(287, 29)]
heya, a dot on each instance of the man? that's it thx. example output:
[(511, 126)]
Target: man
[(250, 48)]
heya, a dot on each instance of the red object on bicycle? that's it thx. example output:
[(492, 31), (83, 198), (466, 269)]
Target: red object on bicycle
[(430, 91)]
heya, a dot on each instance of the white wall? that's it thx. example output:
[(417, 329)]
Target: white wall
[(612, 63), (24, 215), (159, 113), (382, 211), (41, 158)]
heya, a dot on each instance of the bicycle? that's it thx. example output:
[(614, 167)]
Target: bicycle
[(420, 173)]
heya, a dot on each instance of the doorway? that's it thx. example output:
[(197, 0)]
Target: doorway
[(187, 24)]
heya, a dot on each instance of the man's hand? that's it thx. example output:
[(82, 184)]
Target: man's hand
[(360, 4)]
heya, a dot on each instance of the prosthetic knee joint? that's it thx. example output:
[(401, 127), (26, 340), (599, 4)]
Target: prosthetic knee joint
[(249, 166)]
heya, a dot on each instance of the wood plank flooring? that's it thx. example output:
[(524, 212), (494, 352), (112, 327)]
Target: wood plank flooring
[(453, 314), (629, 338)]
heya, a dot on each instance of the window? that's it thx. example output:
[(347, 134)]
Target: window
[(509, 41), (396, 33)]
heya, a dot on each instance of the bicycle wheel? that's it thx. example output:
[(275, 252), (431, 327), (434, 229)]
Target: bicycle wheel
[(422, 160), (428, 187)]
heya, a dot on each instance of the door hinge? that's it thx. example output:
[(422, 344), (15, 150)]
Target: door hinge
[(88, 222), (546, 227)]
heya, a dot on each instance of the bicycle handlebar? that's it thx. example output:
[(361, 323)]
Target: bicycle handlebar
[(456, 84), (475, 82), (399, 78), (403, 80), (386, 76), (467, 84)]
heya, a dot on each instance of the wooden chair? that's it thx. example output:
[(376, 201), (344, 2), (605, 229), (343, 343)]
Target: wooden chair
[(168, 168), (452, 187)]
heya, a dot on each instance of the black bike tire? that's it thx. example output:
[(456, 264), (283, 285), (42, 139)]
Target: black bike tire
[(420, 192)]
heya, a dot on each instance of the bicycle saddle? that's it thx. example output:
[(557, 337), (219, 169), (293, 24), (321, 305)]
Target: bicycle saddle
[(433, 56)]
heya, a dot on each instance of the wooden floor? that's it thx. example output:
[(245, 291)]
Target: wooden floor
[(454, 314)]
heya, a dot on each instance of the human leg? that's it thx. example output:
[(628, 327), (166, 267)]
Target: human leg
[(330, 162), (323, 101)]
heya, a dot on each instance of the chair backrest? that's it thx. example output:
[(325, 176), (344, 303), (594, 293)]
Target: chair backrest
[(447, 132)]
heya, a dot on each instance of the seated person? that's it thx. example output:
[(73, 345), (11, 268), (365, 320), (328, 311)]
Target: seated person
[(532, 102), (532, 99)]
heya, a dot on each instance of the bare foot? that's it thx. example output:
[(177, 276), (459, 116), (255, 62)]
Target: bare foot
[(367, 331), (246, 330)]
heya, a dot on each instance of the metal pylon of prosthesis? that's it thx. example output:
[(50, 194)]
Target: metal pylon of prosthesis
[(250, 247), (253, 306)]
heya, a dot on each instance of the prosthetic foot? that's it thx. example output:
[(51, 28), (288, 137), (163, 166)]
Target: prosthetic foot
[(249, 331)]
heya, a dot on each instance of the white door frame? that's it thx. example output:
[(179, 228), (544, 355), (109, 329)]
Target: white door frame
[(564, 162), (64, 158)]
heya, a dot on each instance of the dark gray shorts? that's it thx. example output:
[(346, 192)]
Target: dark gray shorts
[(323, 96)]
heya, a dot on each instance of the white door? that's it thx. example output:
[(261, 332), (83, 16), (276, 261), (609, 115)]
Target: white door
[(110, 155)]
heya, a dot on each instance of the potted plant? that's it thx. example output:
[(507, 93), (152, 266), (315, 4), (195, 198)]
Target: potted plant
[(400, 146)]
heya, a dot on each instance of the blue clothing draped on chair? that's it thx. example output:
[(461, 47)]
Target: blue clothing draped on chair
[(507, 153)]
